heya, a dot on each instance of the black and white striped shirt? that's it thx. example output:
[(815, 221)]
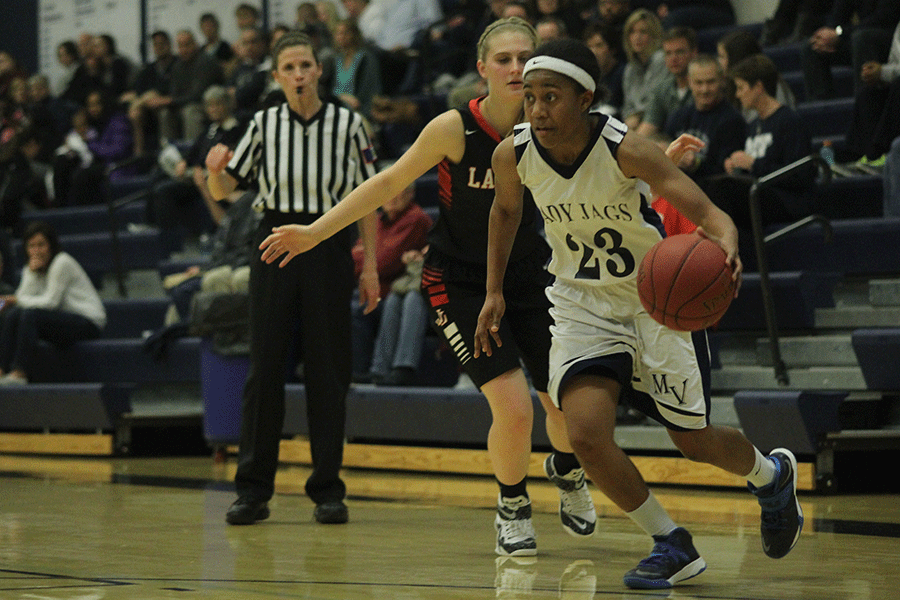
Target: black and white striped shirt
[(303, 166)]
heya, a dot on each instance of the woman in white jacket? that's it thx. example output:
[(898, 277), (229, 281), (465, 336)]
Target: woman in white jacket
[(55, 302)]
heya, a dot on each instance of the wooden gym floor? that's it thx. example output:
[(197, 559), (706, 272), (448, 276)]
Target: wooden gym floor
[(148, 528)]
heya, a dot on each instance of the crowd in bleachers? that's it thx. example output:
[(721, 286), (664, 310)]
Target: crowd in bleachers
[(669, 67)]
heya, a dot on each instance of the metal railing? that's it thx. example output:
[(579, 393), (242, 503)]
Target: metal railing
[(760, 240)]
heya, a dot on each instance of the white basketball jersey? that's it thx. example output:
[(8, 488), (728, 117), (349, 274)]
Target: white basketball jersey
[(598, 224)]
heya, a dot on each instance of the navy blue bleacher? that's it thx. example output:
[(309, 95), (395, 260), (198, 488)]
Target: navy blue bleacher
[(86, 219), (785, 57), (878, 353), (859, 247), (796, 295), (827, 119), (842, 77), (94, 251)]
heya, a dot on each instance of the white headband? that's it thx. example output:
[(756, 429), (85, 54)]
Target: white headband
[(563, 67)]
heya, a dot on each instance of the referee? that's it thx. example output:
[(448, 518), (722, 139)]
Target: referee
[(304, 155)]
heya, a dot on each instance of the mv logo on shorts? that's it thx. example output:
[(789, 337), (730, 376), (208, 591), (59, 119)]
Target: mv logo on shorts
[(661, 386)]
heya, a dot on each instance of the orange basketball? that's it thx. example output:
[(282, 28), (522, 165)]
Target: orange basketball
[(684, 282)]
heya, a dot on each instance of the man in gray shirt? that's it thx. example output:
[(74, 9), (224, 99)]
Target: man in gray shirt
[(672, 92)]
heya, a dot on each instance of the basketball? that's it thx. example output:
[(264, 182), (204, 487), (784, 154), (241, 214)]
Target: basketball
[(684, 282)]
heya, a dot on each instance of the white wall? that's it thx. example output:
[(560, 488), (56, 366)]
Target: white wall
[(753, 11)]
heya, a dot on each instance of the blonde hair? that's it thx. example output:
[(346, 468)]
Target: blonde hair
[(509, 23), (655, 30)]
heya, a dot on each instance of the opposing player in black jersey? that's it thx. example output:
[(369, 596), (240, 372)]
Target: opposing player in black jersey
[(461, 143)]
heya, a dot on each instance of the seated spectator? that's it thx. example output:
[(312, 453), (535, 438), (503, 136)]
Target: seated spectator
[(183, 202), (55, 302), (672, 92), (603, 41), (69, 59), (115, 70), (565, 11), (403, 226), (876, 121), (154, 80), (50, 116), (708, 117), (228, 267), (101, 136), (21, 184), (251, 72), (734, 47), (9, 70), (776, 138), (353, 74), (642, 37), (213, 45), (550, 28), (612, 13), (308, 22), (518, 8), (192, 73), (856, 32), (794, 21)]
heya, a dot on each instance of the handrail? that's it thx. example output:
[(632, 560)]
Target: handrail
[(760, 241), (112, 206)]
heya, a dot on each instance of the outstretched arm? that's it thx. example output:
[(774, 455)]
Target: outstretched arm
[(506, 214), (442, 137)]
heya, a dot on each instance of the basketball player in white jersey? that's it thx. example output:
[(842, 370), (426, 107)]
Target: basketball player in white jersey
[(582, 169)]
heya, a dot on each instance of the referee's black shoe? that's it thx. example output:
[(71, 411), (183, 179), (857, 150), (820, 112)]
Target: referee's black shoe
[(331, 512), (247, 511)]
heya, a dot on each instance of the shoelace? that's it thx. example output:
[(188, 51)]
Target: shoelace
[(577, 501), (663, 556), (515, 530)]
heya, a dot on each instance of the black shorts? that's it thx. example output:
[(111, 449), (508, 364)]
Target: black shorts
[(454, 292)]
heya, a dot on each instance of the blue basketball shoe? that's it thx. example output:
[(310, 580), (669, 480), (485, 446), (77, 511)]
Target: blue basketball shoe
[(672, 559), (782, 517)]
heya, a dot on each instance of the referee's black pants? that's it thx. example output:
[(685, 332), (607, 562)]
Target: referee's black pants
[(313, 293)]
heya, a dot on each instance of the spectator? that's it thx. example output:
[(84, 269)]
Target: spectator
[(9, 70), (20, 185), (710, 118), (613, 13), (69, 59), (6, 288), (734, 47), (856, 32), (50, 116), (794, 21), (550, 28), (402, 226), (55, 302), (115, 70), (565, 11), (354, 72), (642, 36), (776, 138), (192, 73), (518, 8), (672, 92), (214, 46), (246, 16), (247, 82), (875, 119), (603, 41), (308, 22), (153, 81), (228, 267), (183, 202), (101, 136)]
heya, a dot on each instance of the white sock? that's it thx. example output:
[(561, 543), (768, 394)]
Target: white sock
[(652, 517), (763, 472)]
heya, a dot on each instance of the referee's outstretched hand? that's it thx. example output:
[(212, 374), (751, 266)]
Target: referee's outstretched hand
[(287, 241), (489, 324)]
